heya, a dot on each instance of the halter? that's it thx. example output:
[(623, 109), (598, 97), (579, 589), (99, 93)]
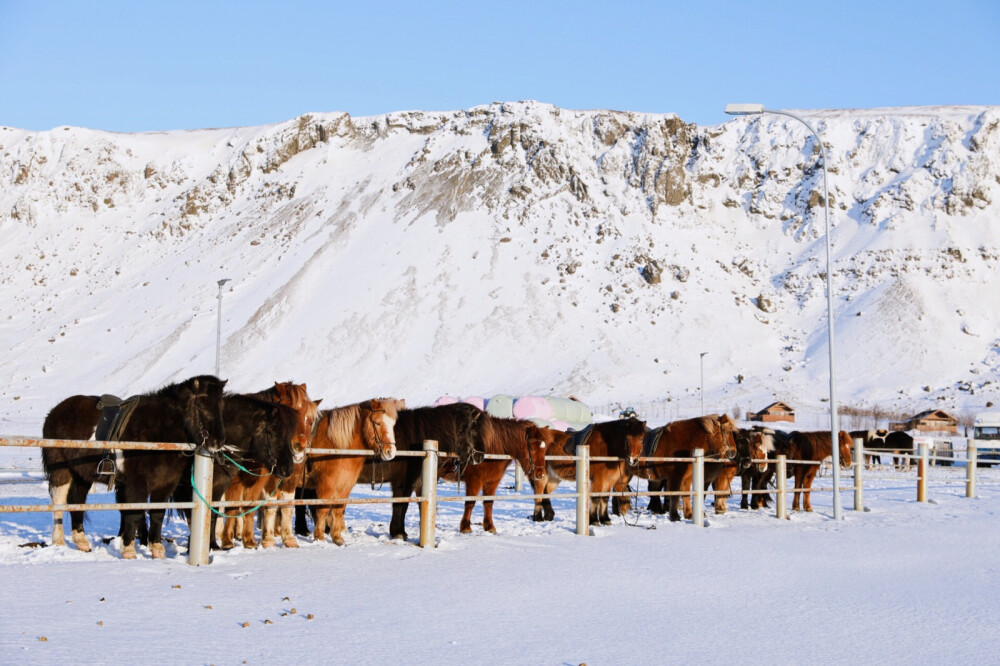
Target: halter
[(379, 442)]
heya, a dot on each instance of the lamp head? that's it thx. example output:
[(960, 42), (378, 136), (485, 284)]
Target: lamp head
[(744, 109)]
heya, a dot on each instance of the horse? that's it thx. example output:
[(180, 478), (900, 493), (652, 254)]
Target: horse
[(763, 439), (871, 439), (268, 437), (366, 426), (751, 445), (455, 427), (900, 444), (520, 439), (295, 396), (712, 434), (813, 446), (188, 411), (618, 439)]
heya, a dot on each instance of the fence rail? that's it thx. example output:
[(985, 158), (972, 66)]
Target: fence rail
[(430, 498)]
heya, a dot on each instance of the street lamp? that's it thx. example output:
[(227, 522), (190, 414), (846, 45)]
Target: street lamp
[(757, 109), (703, 383), (218, 329)]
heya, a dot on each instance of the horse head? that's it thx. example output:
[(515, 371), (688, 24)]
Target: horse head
[(379, 426), (845, 442), (536, 452), (727, 430), (306, 414), (203, 421), (635, 434), (761, 444)]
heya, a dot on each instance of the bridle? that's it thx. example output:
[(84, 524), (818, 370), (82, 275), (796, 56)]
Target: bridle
[(380, 444)]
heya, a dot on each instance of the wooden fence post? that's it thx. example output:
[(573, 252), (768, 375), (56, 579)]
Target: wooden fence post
[(201, 514), (972, 460), (698, 484), (781, 503), (583, 489), (922, 471), (428, 505), (859, 480)]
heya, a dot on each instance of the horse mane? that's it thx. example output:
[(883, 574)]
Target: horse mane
[(342, 421), (503, 436)]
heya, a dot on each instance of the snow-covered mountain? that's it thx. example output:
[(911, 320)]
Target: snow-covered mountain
[(516, 248)]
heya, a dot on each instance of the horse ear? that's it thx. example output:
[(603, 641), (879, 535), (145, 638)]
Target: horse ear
[(374, 404), (277, 386), (316, 402)]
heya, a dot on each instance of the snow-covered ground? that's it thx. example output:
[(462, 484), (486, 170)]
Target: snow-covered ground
[(905, 582)]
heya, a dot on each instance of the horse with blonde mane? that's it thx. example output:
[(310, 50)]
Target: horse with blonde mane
[(365, 426)]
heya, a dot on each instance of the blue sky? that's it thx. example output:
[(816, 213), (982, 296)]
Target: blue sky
[(176, 65)]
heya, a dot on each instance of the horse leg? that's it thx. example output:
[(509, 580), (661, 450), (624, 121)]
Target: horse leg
[(287, 516), (620, 503), (249, 521), (490, 488), (233, 492), (657, 503), (807, 482), (78, 490), (686, 482), (301, 525), (58, 493), (723, 489), (473, 485), (155, 530), (543, 507), (796, 492)]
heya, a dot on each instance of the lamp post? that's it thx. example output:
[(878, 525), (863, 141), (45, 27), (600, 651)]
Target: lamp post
[(218, 329), (702, 359), (758, 109)]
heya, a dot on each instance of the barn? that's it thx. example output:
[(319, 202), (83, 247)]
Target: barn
[(776, 411), (932, 420)]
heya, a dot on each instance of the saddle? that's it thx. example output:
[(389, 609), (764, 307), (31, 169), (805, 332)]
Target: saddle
[(578, 437), (115, 415)]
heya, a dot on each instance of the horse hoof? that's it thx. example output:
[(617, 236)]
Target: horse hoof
[(82, 545), (290, 543), (465, 529), (128, 553), (158, 551), (674, 517), (250, 545), (339, 541), (491, 530), (267, 543)]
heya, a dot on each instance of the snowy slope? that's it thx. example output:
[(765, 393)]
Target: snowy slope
[(516, 248)]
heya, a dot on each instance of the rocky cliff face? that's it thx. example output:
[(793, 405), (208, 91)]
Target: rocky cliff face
[(595, 253)]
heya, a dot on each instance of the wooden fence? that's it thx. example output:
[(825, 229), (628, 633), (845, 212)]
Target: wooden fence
[(200, 521)]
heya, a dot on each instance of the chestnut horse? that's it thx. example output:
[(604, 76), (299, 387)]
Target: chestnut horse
[(813, 446), (617, 439), (297, 397), (366, 426), (522, 440), (255, 481), (188, 411), (712, 434)]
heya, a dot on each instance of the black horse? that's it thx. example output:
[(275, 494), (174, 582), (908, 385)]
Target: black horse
[(756, 479), (189, 411), (259, 434), (457, 430)]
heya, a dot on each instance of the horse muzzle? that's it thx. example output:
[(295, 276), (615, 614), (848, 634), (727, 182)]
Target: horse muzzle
[(298, 457), (387, 453)]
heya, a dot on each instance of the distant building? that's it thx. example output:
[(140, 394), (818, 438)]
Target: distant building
[(932, 420), (776, 411)]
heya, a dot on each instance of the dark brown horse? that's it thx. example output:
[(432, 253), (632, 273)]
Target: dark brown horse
[(815, 447), (189, 411), (522, 440), (678, 439), (620, 439), (751, 445), (366, 426), (455, 427), (260, 435)]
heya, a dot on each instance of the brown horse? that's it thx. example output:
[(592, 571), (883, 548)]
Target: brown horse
[(522, 440), (366, 426), (297, 397), (712, 434), (255, 481), (813, 446), (189, 411), (618, 439)]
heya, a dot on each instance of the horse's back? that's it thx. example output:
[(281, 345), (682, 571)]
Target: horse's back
[(73, 418)]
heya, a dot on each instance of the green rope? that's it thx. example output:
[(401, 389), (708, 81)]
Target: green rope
[(242, 468), (224, 515)]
